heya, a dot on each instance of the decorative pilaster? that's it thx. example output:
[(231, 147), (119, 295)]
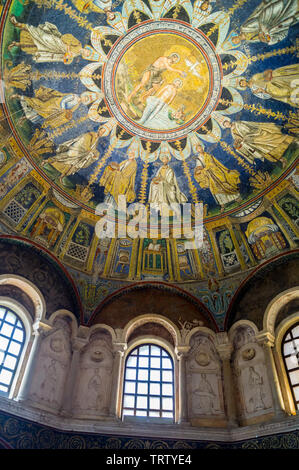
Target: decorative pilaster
[(39, 332), (267, 340), (117, 376), (225, 349), (183, 403)]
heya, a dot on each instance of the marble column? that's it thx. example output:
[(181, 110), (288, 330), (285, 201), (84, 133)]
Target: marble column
[(69, 389), (183, 402), (225, 349), (267, 341), (117, 373)]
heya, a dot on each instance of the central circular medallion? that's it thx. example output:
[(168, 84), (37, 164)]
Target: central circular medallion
[(162, 80)]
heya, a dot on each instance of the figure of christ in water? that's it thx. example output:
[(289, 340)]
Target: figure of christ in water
[(152, 77), (157, 113)]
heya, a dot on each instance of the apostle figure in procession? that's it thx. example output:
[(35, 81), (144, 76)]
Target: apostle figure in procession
[(51, 106), (279, 84), (164, 188), (270, 21), (45, 43), (75, 154), (211, 174), (259, 140), (119, 180)]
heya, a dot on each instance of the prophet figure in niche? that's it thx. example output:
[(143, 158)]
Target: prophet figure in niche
[(222, 182), (205, 395), (75, 154), (45, 43), (259, 140), (164, 188), (270, 21), (277, 84), (119, 180), (256, 384)]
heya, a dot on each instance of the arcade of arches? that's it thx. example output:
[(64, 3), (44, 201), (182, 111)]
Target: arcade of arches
[(118, 339)]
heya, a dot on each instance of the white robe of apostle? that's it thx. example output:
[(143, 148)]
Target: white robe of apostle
[(164, 189), (272, 18)]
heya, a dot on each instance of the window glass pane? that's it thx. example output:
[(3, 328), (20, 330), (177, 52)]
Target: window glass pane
[(142, 374), (131, 374), (295, 332), (167, 389), (154, 414), (130, 387), (6, 330), (296, 393), (18, 335), (10, 318), (155, 375), (132, 361), (3, 343), (143, 361), (129, 401), (142, 388), (166, 364), (155, 389), (1, 357), (141, 402), (156, 362), (294, 377), (155, 351), (289, 348), (292, 362), (288, 337), (2, 312), (167, 403), (128, 412), (144, 350), (141, 413), (5, 376), (14, 348), (10, 362), (167, 376), (167, 414), (3, 388), (154, 403)]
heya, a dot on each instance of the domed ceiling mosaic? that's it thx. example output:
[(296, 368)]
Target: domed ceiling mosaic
[(160, 101)]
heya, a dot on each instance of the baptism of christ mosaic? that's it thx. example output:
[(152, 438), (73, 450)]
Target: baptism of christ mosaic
[(163, 80)]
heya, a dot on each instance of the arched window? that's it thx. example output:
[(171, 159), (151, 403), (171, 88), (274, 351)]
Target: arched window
[(290, 354), (12, 339), (149, 383)]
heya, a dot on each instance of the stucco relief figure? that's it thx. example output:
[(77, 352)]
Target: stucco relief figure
[(270, 21), (94, 396), (204, 397), (48, 387), (45, 43), (93, 389), (260, 140), (256, 385), (164, 188)]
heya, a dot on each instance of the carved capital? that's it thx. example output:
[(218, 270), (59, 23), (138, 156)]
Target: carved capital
[(182, 351), (265, 338), (119, 348), (224, 346)]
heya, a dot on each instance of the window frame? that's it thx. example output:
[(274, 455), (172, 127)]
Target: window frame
[(24, 316), (284, 357), (149, 341)]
